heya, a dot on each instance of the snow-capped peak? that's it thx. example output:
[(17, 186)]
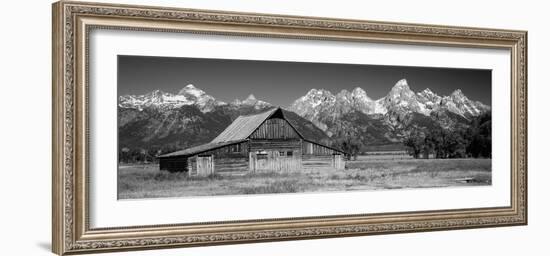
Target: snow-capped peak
[(426, 91), (344, 94), (251, 101), (191, 90), (402, 99), (428, 96), (318, 92), (402, 84), (458, 103), (400, 91), (458, 94), (250, 97), (359, 93)]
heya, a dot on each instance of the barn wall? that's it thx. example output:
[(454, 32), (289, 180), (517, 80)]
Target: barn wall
[(275, 155), (174, 164), (230, 164), (231, 158), (205, 165), (192, 165), (275, 128), (225, 159), (309, 148), (234, 150), (275, 161), (258, 145), (317, 156)]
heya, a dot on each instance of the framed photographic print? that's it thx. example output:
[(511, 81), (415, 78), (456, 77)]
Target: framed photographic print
[(178, 127)]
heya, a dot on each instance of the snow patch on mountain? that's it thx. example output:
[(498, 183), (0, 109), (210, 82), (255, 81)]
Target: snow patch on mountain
[(251, 101)]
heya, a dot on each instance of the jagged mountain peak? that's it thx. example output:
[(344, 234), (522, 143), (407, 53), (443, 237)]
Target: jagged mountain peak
[(358, 91), (360, 94), (251, 100), (319, 92), (250, 97), (400, 93), (191, 90), (428, 96), (357, 97), (316, 97), (402, 84), (427, 91), (458, 94)]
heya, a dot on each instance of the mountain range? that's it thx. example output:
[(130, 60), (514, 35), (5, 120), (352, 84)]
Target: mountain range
[(170, 121)]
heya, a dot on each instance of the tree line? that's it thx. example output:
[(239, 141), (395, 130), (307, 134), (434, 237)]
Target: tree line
[(459, 142), (350, 147), (143, 155)]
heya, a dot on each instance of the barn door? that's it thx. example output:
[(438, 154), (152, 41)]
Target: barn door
[(259, 161), (205, 165), (338, 162)]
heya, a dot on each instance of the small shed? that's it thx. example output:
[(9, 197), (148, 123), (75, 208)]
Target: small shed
[(264, 142)]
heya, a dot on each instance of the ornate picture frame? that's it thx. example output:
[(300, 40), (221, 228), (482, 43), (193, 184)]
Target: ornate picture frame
[(72, 23)]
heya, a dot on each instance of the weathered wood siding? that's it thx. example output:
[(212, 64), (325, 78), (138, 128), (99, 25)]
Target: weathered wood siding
[(275, 128), (230, 164), (234, 150), (317, 156), (205, 165), (258, 145), (275, 161), (231, 158), (309, 148), (192, 166)]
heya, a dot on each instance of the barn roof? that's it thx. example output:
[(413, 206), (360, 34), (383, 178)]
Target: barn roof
[(244, 126), (200, 149)]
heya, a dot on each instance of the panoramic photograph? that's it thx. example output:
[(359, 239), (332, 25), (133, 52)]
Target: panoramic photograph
[(192, 127)]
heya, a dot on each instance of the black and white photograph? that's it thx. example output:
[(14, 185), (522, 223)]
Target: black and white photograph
[(145, 128), (213, 127)]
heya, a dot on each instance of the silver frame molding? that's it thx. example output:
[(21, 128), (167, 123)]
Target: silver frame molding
[(72, 22)]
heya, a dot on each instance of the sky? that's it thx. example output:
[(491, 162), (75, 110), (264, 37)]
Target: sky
[(281, 83)]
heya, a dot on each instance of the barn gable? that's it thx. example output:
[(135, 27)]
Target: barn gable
[(275, 128), (246, 126)]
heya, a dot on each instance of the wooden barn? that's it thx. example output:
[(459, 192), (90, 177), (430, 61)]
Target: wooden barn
[(265, 142)]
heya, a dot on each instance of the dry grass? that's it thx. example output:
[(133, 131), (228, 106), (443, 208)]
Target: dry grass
[(146, 181)]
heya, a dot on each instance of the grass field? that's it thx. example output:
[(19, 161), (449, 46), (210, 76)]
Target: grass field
[(366, 173)]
